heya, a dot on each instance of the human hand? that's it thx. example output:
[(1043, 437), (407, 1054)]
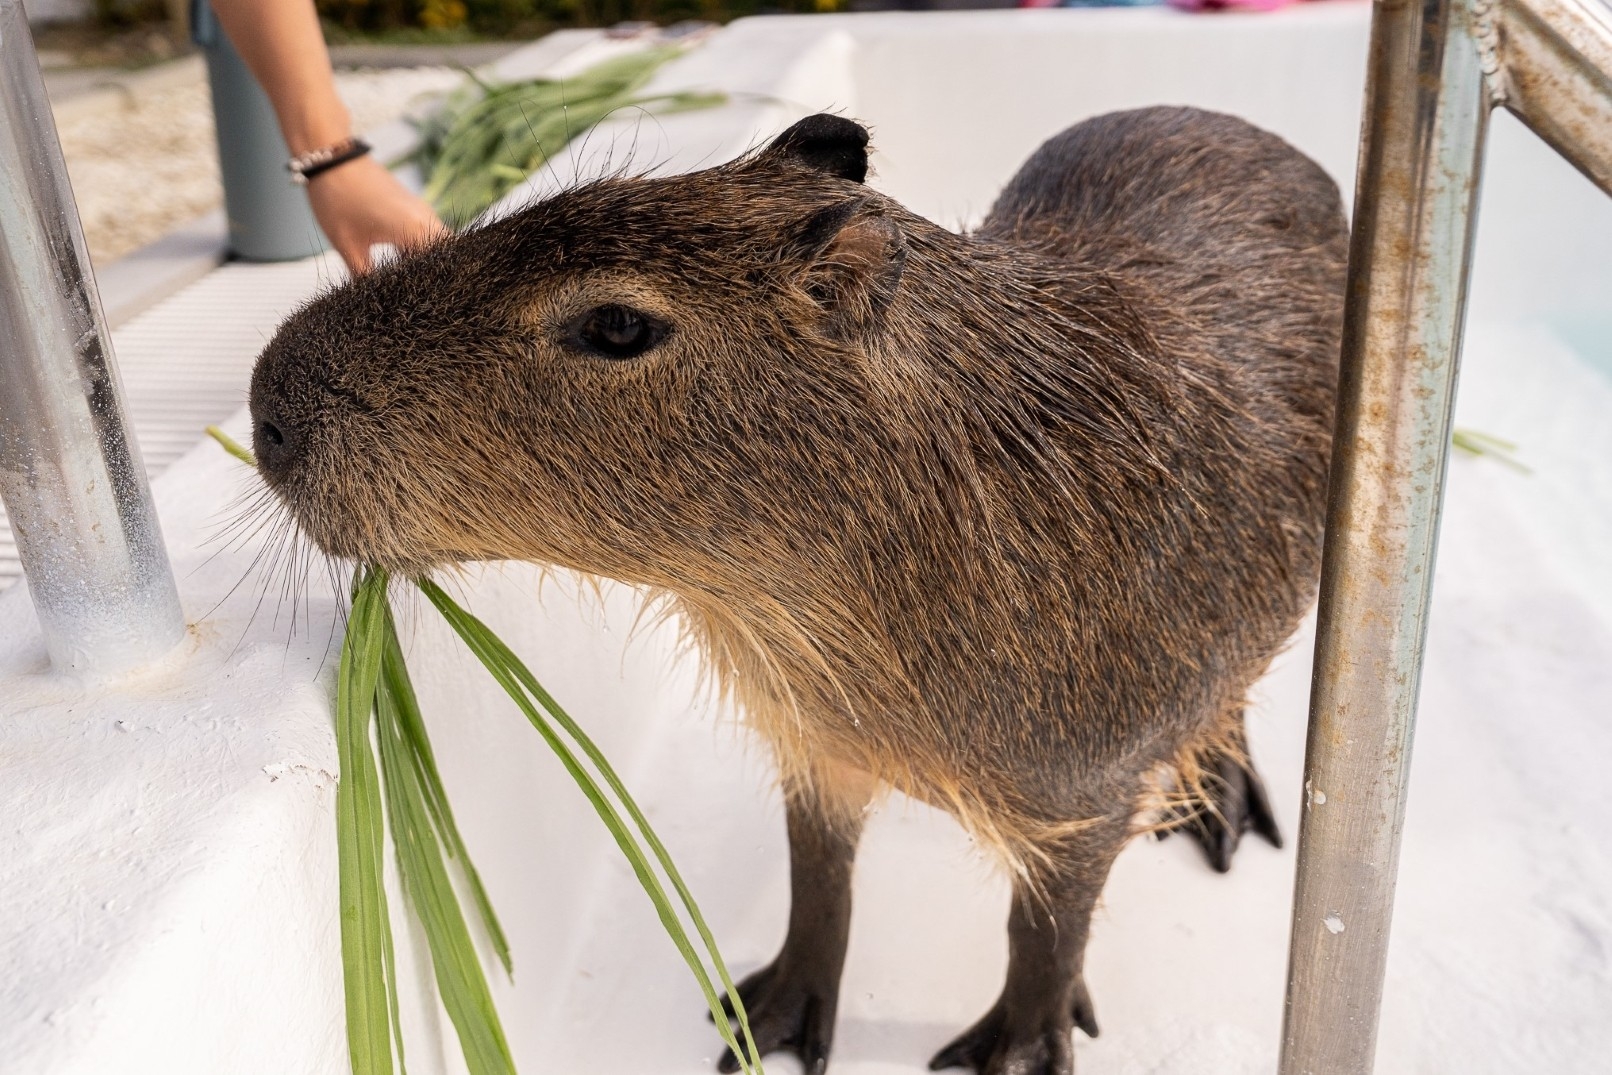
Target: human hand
[(360, 203)]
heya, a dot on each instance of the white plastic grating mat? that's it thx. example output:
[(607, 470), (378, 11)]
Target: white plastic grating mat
[(186, 363)]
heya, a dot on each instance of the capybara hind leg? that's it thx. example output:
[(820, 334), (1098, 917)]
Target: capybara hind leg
[(1029, 1030), (1233, 802), (791, 1002)]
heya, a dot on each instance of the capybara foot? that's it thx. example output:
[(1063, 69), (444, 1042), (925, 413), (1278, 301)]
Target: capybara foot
[(1234, 803), (988, 1049), (786, 1012), (1000, 1045)]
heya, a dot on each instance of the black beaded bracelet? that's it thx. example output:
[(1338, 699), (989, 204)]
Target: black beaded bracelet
[(315, 161)]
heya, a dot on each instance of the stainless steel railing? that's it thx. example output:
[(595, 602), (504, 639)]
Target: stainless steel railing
[(1437, 69), (70, 471)]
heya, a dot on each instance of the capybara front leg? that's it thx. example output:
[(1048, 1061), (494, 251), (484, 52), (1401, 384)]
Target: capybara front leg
[(1029, 1031), (792, 1001)]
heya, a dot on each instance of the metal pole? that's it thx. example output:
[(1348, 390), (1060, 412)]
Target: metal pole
[(70, 471), (1425, 119), (1555, 74)]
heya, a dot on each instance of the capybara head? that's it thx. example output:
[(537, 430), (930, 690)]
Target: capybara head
[(625, 378)]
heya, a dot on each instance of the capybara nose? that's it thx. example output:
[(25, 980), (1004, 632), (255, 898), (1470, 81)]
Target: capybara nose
[(276, 443)]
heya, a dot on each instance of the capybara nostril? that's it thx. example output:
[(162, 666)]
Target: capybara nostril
[(275, 446)]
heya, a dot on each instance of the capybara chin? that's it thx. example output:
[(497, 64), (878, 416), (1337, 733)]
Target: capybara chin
[(1009, 521)]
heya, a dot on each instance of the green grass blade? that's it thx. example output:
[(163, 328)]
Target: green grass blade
[(466, 626), (426, 881), (568, 759), (672, 103), (388, 951), (488, 137), (231, 446), (406, 713), (373, 679), (518, 682), (368, 968), (1477, 442), (596, 756)]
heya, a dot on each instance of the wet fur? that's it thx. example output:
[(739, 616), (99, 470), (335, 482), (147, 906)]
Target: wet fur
[(1009, 521)]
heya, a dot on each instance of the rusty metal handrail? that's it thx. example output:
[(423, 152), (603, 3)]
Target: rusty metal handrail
[(1437, 68)]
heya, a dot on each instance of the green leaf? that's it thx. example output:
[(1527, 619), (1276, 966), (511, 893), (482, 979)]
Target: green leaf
[(1477, 442), (429, 888), (369, 973), (372, 678), (230, 446), (405, 712), (489, 136), (518, 681)]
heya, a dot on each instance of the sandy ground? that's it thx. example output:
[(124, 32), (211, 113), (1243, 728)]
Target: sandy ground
[(143, 158)]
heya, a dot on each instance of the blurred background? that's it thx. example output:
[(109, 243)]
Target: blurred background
[(130, 94)]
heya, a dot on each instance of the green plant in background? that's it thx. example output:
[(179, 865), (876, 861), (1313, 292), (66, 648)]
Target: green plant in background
[(377, 712), (1476, 442), (489, 136), (443, 14)]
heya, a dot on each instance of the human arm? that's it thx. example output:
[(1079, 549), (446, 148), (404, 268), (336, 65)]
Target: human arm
[(358, 203)]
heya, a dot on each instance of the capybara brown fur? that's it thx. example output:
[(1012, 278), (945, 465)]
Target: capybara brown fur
[(1008, 521)]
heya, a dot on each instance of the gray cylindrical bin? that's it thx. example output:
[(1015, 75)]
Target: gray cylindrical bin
[(269, 218)]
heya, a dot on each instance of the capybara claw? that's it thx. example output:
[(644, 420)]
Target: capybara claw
[(1234, 802), (1084, 1015)]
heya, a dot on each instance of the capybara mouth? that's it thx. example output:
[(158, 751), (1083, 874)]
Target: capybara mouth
[(376, 534)]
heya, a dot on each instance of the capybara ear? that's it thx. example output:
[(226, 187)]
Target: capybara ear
[(849, 258), (833, 145)]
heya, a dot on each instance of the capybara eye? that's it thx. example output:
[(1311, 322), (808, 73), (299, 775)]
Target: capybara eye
[(616, 331)]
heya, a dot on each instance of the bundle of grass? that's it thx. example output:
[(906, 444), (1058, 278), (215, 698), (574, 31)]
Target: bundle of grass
[(488, 137), (378, 714)]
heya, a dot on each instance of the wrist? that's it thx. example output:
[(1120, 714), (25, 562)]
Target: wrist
[(307, 166), (312, 130)]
